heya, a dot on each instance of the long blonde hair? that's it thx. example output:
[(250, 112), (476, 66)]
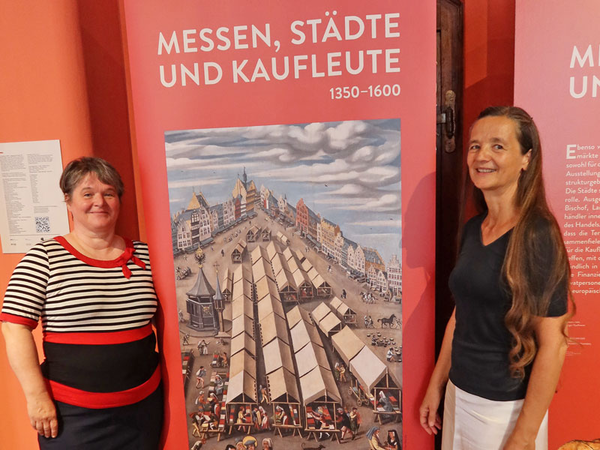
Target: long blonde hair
[(523, 254)]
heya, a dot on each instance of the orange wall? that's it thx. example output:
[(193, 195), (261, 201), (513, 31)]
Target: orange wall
[(62, 78)]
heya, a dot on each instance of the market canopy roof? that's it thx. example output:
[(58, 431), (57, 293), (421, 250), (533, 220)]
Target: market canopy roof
[(242, 288), (299, 255), (241, 342), (367, 368), (278, 264), (262, 269), (296, 314), (300, 278), (283, 387), (319, 384), (303, 333), (313, 274), (242, 362), (240, 246), (310, 357), (272, 250), (347, 344), (320, 312), (242, 324), (269, 305), (330, 324), (227, 281), (266, 286), (285, 280), (241, 273), (307, 265), (318, 281), (242, 305), (278, 354), (287, 253), (241, 389), (293, 265), (258, 253), (271, 327)]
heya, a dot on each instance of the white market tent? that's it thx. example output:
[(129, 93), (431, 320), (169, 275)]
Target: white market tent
[(330, 324), (320, 312), (266, 287), (243, 342), (241, 273), (367, 368), (271, 327), (272, 250), (242, 305), (242, 324), (261, 269), (269, 305), (283, 386), (307, 265), (347, 344), (258, 253), (278, 264), (295, 315), (241, 389), (309, 357), (319, 384), (278, 354), (287, 254), (242, 362)]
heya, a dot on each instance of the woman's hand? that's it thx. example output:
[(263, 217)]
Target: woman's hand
[(430, 419), (42, 415), (515, 443)]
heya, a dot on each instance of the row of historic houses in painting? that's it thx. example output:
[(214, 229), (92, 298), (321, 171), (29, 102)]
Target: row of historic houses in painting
[(197, 225)]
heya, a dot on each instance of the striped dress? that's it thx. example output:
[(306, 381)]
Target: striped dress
[(96, 315)]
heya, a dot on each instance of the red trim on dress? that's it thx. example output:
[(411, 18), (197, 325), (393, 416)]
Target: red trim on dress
[(100, 400), (121, 261), (104, 338), (12, 318)]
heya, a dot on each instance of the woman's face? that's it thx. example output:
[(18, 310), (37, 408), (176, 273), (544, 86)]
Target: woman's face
[(494, 158), (94, 205)]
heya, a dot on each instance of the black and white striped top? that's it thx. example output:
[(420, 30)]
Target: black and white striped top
[(96, 315), (72, 293)]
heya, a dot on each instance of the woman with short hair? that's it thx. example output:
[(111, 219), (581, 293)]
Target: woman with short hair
[(99, 386)]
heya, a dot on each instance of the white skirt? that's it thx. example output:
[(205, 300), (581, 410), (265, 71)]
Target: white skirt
[(475, 423)]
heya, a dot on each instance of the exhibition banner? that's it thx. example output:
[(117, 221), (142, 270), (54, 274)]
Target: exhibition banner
[(286, 154), (557, 80)]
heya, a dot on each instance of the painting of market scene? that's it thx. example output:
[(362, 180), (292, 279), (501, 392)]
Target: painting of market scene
[(286, 243)]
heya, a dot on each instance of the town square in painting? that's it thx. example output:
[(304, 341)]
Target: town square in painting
[(286, 242)]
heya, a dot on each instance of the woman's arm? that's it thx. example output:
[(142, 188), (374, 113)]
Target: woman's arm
[(23, 358), (552, 347), (430, 419)]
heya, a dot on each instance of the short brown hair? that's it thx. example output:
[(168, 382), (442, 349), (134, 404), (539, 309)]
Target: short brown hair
[(77, 169)]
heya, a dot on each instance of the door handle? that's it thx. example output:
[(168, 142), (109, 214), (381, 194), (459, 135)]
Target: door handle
[(450, 122)]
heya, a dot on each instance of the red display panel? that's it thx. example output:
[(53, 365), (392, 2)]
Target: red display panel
[(238, 68), (557, 80)]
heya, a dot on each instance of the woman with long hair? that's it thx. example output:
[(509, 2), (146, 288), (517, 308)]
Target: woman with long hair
[(505, 343)]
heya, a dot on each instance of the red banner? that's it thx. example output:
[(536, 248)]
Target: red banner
[(557, 80), (287, 117)]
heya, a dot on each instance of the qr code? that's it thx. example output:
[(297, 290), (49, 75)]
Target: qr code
[(42, 224)]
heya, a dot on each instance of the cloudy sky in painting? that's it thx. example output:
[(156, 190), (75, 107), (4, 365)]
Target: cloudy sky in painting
[(349, 172)]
